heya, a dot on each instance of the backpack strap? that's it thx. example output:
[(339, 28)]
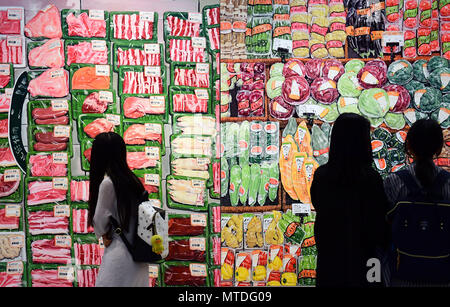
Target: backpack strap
[(118, 230)]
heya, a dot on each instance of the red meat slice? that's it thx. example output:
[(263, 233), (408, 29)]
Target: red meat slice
[(49, 138), (98, 126), (4, 80), (138, 160), (136, 135), (182, 226), (46, 113), (189, 103), (181, 250), (8, 222), (10, 54), (46, 23), (43, 166), (135, 56), (8, 26), (51, 83), (42, 192), (64, 120), (216, 177), (5, 102), (182, 27), (136, 107), (178, 275), (45, 222), (87, 154), (10, 280), (48, 278), (92, 104), (39, 146), (83, 53), (87, 254), (50, 54), (8, 188), (45, 251), (6, 157), (79, 191), (4, 128), (132, 27), (189, 77), (80, 221), (84, 26), (87, 277), (149, 188)]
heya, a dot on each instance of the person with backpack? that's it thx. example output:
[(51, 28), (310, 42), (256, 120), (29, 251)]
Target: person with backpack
[(347, 194), (419, 214), (114, 194)]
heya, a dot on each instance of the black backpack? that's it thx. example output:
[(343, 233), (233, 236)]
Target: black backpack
[(421, 232), (139, 249)]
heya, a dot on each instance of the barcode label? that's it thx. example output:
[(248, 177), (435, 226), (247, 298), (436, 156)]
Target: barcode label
[(198, 42), (202, 94), (97, 14), (202, 161), (202, 68), (14, 14), (198, 184), (4, 70), (60, 158), (195, 17), (102, 70), (151, 179), (197, 244), (157, 101), (14, 41), (14, 268), (63, 241), (16, 241), (151, 48), (113, 118), (12, 211), (153, 271), (105, 96), (197, 269), (198, 220), (147, 16), (66, 273), (61, 131), (60, 105), (153, 128), (58, 73), (152, 152), (98, 45), (11, 175), (61, 211), (152, 71), (60, 183)]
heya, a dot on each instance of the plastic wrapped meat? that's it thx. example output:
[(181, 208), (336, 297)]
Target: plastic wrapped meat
[(46, 23), (86, 78), (47, 116), (183, 226), (98, 126), (10, 280), (139, 160), (137, 134), (8, 222), (134, 56), (177, 275), (135, 82), (181, 250), (10, 53), (84, 26), (212, 16), (181, 50), (80, 221), (190, 77), (43, 166), (4, 128), (48, 278), (5, 102), (9, 26), (93, 104), (51, 83), (46, 141), (7, 187), (136, 107), (132, 27), (83, 53), (45, 222), (79, 191), (86, 277), (46, 251), (42, 192), (6, 157), (189, 103), (50, 54), (182, 27), (214, 38), (87, 254), (150, 188)]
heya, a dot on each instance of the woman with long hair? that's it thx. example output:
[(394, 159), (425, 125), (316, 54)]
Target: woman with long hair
[(347, 194), (113, 191)]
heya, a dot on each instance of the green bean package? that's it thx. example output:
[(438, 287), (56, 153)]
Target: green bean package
[(320, 144), (133, 26), (262, 36), (258, 141), (85, 24), (244, 143), (93, 102), (271, 150), (145, 54)]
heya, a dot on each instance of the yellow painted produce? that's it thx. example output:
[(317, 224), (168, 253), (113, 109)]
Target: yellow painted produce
[(303, 138), (311, 166), (232, 233), (259, 273), (299, 179), (288, 149), (242, 274), (276, 264), (254, 236), (226, 271), (289, 279), (273, 233)]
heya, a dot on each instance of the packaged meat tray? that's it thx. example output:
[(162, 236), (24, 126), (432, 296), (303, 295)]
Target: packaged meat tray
[(50, 83), (152, 181), (189, 100), (199, 167), (192, 224), (184, 144), (79, 189), (49, 112), (87, 52), (10, 217), (182, 24), (50, 275), (5, 99), (49, 249), (214, 190), (93, 102), (49, 220), (145, 107), (178, 273), (85, 24), (12, 274), (214, 276), (195, 124), (227, 259), (214, 249), (135, 132), (46, 54), (186, 49), (211, 15), (6, 156), (191, 74), (134, 27), (6, 76), (80, 219), (212, 35), (12, 246), (12, 20), (87, 250), (48, 164), (186, 193), (11, 185), (45, 24), (188, 249), (4, 126), (50, 138), (91, 77), (85, 153), (144, 158), (90, 125), (214, 219), (86, 276), (45, 190), (13, 50), (145, 54), (142, 80)]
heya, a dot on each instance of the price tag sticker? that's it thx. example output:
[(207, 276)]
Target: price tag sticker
[(147, 16), (152, 152), (152, 49), (202, 161), (152, 71), (9, 92), (151, 179), (113, 118), (105, 96), (60, 158), (14, 268), (63, 241), (61, 131), (102, 70), (198, 184), (61, 210), (97, 14), (12, 211), (198, 42), (14, 14), (202, 68), (198, 269), (195, 17), (4, 70), (198, 220), (60, 105), (98, 45), (66, 273), (17, 241), (393, 37), (202, 93), (153, 128), (157, 101), (14, 41), (197, 244), (11, 175), (299, 208), (279, 43), (58, 73), (61, 183), (153, 271)]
